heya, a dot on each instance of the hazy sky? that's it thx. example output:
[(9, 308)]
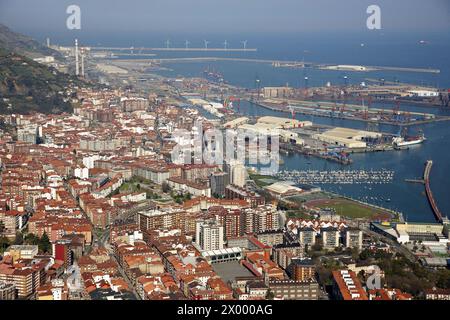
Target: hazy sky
[(224, 16)]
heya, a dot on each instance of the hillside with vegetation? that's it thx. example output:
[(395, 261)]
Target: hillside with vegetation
[(27, 86)]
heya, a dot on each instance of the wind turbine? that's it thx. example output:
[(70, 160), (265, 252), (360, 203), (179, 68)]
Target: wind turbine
[(245, 44), (187, 44), (206, 44), (167, 43), (225, 44)]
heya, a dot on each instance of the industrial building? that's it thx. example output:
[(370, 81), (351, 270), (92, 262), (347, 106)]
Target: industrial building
[(233, 124), (345, 137), (284, 123), (277, 92), (268, 129)]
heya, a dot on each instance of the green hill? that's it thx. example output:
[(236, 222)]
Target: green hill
[(27, 86)]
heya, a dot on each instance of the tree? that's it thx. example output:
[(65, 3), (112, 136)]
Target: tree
[(4, 243), (19, 238), (31, 239), (443, 279), (44, 244), (270, 295), (165, 187)]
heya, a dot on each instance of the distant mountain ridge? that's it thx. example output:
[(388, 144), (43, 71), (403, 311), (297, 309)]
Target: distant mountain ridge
[(24, 45)]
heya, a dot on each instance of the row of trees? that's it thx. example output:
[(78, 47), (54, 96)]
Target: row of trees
[(43, 242)]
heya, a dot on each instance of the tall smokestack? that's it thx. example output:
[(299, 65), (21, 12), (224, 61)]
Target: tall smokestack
[(77, 67), (82, 63)]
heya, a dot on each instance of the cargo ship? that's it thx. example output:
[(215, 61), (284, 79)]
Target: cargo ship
[(401, 142)]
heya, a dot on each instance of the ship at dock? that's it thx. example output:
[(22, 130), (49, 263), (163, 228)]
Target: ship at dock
[(406, 140)]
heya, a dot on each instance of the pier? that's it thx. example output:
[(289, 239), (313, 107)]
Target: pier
[(426, 178), (415, 181)]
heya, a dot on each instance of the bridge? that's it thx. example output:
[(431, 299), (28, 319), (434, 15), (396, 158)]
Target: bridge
[(426, 178)]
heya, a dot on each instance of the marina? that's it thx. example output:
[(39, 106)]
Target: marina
[(314, 177)]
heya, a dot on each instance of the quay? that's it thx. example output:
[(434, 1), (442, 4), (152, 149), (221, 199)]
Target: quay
[(350, 113), (426, 178)]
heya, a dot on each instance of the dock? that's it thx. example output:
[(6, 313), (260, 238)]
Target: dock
[(426, 178), (352, 112), (297, 149), (421, 181)]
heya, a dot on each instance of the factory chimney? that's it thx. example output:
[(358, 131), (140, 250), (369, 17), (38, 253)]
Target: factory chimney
[(77, 67), (82, 63)]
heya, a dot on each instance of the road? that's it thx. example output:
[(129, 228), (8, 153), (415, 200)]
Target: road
[(102, 239)]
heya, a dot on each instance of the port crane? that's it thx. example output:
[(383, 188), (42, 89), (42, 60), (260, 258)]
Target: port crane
[(292, 110), (396, 112)]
